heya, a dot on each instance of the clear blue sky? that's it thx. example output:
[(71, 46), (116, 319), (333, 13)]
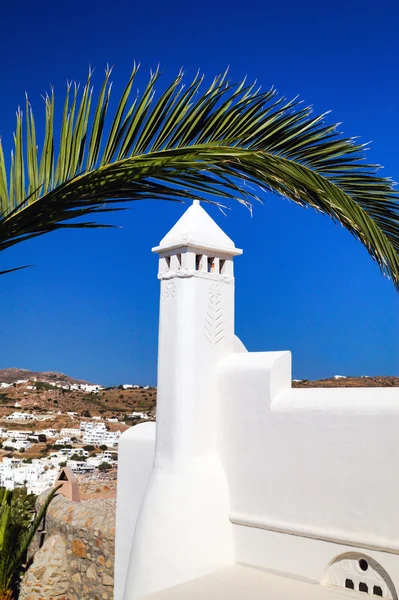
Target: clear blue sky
[(89, 307)]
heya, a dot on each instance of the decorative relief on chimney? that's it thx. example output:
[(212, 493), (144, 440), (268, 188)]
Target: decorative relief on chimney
[(213, 327), (170, 290)]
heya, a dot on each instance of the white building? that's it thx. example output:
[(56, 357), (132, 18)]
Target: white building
[(108, 457), (17, 435), (48, 432), (71, 432), (139, 415), (99, 435), (86, 387), (20, 416), (303, 482), (63, 441), (18, 444), (79, 466)]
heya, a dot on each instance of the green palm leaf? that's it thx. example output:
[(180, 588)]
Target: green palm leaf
[(228, 141), (17, 530)]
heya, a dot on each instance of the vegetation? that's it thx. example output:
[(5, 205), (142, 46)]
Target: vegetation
[(17, 528), (104, 466), (43, 385), (227, 142), (77, 456)]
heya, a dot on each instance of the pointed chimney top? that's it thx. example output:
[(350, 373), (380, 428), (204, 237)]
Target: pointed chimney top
[(197, 229)]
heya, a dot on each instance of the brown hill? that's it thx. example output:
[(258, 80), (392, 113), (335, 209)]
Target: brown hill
[(11, 375), (45, 398), (378, 381)]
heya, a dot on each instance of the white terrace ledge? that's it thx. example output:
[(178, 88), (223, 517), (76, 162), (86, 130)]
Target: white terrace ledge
[(242, 582)]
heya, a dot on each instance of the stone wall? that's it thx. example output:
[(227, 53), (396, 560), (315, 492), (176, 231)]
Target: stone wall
[(74, 556)]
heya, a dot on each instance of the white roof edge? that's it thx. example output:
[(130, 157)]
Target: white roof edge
[(195, 245)]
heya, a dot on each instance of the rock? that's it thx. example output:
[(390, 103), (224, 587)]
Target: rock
[(76, 578), (91, 572), (78, 548), (48, 576), (107, 580), (85, 536)]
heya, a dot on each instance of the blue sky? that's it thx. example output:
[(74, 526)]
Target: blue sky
[(89, 307)]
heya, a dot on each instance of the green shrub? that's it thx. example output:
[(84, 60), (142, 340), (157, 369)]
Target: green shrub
[(104, 466)]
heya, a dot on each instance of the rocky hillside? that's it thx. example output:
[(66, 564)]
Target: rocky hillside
[(111, 402), (38, 392), (12, 375), (342, 381)]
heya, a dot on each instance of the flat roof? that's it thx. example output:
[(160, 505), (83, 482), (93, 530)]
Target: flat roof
[(249, 583)]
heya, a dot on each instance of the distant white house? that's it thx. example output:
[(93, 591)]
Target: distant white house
[(69, 431), (18, 444), (48, 432), (105, 457), (78, 466), (139, 415), (86, 387), (63, 441), (20, 416), (98, 436), (17, 434)]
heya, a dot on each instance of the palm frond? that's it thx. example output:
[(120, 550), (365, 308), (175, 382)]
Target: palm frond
[(229, 141), (16, 534)]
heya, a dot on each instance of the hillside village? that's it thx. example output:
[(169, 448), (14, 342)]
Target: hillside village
[(49, 420)]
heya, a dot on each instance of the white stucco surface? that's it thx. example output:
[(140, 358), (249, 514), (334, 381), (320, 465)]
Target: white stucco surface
[(135, 460), (246, 469), (196, 228), (246, 583)]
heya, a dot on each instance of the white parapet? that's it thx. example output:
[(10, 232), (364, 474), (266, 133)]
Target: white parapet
[(135, 460)]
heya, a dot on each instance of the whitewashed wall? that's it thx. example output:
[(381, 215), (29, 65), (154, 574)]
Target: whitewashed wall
[(308, 464), (135, 460)]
